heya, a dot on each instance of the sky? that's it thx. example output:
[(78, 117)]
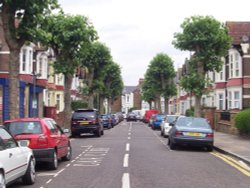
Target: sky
[(135, 31)]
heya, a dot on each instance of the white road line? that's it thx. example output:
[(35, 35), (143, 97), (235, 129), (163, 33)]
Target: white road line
[(48, 181), (129, 133), (125, 180), (129, 137), (127, 147), (125, 160)]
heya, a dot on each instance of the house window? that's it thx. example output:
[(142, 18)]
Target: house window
[(40, 66), (234, 64), (24, 58), (127, 98), (58, 102), (229, 100), (236, 99), (221, 101)]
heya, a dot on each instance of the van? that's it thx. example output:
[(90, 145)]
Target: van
[(148, 115)]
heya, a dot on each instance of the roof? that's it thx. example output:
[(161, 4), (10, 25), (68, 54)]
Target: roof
[(238, 29), (129, 89)]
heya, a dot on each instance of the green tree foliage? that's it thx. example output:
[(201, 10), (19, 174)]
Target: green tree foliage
[(242, 120), (148, 92), (208, 41), (96, 57), (21, 23), (78, 104), (68, 36), (160, 75)]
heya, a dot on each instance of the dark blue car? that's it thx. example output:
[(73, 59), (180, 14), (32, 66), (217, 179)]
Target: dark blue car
[(106, 121), (156, 122)]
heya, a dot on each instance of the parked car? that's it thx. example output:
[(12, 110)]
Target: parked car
[(16, 161), (86, 121), (106, 121), (167, 124), (47, 140), (191, 131), (131, 116), (158, 118)]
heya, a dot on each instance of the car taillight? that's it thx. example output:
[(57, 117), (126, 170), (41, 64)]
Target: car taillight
[(178, 133), (94, 121), (74, 122), (210, 135), (42, 140)]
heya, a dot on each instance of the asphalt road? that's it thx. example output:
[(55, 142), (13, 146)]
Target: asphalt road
[(131, 155)]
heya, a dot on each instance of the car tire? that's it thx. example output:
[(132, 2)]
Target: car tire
[(161, 133), (102, 132), (68, 156), (172, 145), (98, 133), (209, 148), (2, 180), (30, 175), (153, 127), (54, 164)]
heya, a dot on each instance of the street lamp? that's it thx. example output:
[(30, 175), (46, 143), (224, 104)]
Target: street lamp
[(34, 100)]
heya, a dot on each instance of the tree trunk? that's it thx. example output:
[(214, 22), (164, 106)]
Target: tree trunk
[(14, 44), (67, 111), (14, 92), (166, 110), (197, 109), (109, 105), (101, 100), (91, 94)]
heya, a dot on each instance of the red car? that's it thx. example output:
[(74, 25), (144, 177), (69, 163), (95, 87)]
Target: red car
[(47, 140), (148, 115)]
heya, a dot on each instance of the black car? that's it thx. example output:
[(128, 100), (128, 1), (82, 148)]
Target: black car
[(131, 117), (86, 121)]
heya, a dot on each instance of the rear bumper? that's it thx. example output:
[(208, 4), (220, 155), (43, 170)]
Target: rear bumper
[(44, 155), (85, 129), (192, 141)]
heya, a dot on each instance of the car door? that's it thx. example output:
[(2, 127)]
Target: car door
[(12, 156)]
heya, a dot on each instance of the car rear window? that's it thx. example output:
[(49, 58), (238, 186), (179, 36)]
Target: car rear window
[(29, 127), (192, 122), (88, 115)]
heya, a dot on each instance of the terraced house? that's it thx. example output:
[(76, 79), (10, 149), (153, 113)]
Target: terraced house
[(41, 91)]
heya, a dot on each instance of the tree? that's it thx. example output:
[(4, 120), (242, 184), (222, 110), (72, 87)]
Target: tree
[(95, 58), (209, 41), (70, 35), (161, 73), (21, 23)]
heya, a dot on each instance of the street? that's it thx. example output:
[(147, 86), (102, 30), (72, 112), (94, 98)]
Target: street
[(132, 155)]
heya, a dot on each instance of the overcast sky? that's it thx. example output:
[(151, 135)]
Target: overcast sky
[(136, 30)]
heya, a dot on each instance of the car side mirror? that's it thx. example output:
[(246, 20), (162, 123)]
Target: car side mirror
[(66, 130)]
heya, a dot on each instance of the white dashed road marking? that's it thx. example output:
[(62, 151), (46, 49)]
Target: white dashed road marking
[(125, 180)]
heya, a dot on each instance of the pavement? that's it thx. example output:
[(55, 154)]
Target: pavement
[(233, 145)]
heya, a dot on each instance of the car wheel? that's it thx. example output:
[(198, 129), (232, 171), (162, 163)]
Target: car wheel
[(161, 133), (30, 175), (153, 127), (2, 180), (209, 148), (172, 145), (102, 132), (54, 164), (69, 154), (98, 133)]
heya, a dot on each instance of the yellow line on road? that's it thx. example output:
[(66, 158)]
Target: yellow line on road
[(234, 163)]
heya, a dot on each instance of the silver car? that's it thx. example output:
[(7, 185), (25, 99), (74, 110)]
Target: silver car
[(16, 161), (191, 131), (167, 124)]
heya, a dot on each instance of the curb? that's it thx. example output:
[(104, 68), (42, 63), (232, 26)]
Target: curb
[(247, 161)]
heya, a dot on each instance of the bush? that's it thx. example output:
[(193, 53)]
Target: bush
[(78, 104), (242, 121), (190, 112)]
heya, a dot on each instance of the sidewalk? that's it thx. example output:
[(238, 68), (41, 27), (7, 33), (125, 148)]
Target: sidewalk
[(233, 145)]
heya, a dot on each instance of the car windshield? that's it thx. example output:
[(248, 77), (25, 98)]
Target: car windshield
[(192, 122), (171, 119), (87, 115), (29, 127)]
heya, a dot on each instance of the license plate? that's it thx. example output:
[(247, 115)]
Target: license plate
[(194, 134), (84, 123)]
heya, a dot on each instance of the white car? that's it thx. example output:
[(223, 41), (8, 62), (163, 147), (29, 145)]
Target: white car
[(16, 161), (167, 124)]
